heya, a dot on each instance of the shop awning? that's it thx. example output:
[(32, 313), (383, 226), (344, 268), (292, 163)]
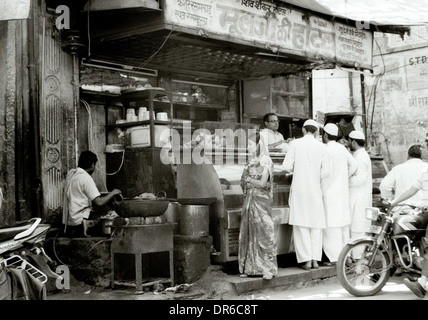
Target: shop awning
[(235, 39), (375, 12), (176, 52), (238, 40), (14, 9)]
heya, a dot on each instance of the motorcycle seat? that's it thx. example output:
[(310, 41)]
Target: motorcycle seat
[(10, 232)]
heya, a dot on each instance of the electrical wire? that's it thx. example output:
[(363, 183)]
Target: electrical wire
[(381, 55), (391, 164), (80, 263), (91, 144), (157, 51), (120, 167)]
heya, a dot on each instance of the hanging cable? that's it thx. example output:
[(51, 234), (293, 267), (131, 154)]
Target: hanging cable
[(91, 143), (157, 51), (89, 32), (79, 263)]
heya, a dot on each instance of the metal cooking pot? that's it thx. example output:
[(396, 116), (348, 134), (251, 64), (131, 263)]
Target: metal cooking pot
[(196, 201), (135, 207)]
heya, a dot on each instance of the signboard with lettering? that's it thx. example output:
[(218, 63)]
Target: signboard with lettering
[(279, 28)]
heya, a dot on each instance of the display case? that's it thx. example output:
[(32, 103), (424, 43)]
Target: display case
[(201, 94), (288, 97)]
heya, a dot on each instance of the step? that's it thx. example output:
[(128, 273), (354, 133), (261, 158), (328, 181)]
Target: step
[(287, 278)]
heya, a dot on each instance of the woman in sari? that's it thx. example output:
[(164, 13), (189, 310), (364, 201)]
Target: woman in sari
[(257, 247)]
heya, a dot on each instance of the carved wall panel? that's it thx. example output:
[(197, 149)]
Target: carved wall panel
[(56, 117)]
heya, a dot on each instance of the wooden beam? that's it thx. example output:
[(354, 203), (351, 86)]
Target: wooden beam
[(101, 5), (109, 27)]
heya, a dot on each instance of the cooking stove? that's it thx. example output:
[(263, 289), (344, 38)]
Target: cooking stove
[(142, 239)]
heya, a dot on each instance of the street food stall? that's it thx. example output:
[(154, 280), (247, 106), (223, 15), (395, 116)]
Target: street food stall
[(188, 66)]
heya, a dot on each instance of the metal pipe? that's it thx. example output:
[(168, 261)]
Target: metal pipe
[(33, 75), (363, 107), (351, 91)]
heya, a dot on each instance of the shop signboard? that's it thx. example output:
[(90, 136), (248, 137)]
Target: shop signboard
[(274, 27), (14, 9)]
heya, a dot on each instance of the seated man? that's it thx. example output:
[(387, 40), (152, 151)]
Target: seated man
[(270, 138), (81, 196)]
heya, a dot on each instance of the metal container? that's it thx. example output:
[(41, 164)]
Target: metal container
[(194, 220), (172, 215), (141, 208), (106, 226)]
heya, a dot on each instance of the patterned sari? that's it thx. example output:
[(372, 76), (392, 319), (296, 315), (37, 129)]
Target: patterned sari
[(257, 247)]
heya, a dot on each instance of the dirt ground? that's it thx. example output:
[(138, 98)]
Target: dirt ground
[(212, 285)]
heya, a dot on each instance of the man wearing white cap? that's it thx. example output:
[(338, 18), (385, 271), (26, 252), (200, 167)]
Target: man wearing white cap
[(338, 165), (307, 217), (360, 186)]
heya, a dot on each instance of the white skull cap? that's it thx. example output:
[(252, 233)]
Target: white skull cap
[(331, 129), (357, 135), (310, 122)]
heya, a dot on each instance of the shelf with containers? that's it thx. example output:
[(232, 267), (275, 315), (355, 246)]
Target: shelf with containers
[(288, 97), (197, 101), (141, 168), (146, 113)]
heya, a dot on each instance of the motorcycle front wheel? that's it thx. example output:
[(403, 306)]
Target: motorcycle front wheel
[(356, 275)]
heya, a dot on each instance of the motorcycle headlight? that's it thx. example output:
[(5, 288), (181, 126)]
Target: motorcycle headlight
[(372, 213)]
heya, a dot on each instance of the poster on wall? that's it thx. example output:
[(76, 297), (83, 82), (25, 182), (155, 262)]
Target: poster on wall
[(269, 26)]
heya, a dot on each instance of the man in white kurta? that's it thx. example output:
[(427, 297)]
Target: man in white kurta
[(338, 165), (402, 176), (303, 159), (360, 186)]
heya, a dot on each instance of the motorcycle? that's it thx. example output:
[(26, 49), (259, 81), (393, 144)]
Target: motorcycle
[(24, 260), (397, 240)]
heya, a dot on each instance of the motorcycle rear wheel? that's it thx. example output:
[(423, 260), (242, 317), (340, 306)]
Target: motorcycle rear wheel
[(354, 273)]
